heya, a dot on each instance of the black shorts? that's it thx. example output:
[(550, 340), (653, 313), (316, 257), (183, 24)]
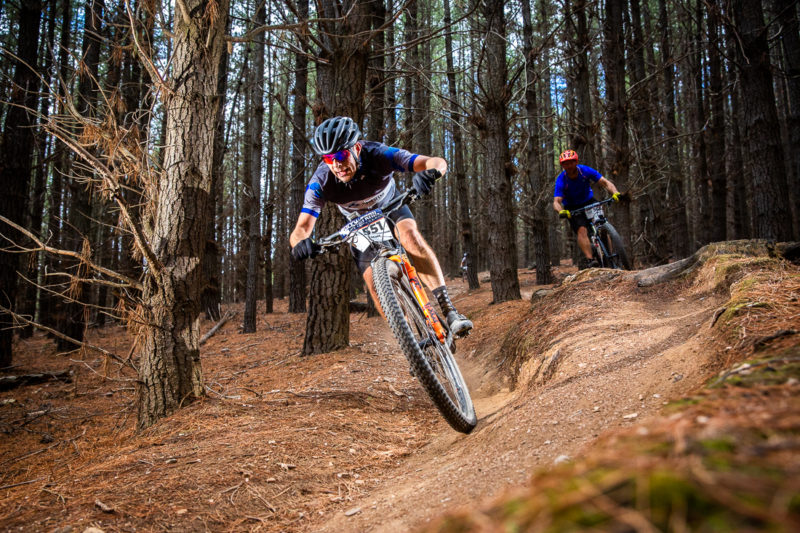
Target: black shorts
[(576, 221), (363, 259)]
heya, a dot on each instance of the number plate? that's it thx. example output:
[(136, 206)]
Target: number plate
[(594, 213), (376, 231)]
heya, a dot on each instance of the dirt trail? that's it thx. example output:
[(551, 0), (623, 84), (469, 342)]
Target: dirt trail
[(623, 359), (345, 441)]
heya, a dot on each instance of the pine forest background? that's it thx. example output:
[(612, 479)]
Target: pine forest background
[(154, 155)]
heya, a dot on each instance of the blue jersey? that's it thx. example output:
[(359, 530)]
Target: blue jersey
[(578, 191), (372, 185)]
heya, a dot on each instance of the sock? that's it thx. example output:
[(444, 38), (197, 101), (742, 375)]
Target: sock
[(444, 300)]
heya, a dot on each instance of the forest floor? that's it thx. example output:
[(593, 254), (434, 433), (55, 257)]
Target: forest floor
[(348, 441)]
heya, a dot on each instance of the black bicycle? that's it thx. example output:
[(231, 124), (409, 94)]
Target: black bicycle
[(607, 246), (424, 337)]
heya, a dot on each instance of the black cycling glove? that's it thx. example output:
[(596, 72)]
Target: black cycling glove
[(305, 249), (423, 181)]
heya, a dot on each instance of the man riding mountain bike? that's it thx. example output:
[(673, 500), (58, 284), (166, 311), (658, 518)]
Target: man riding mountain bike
[(357, 176), (574, 190)]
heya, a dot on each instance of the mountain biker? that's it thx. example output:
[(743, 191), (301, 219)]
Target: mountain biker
[(573, 190), (356, 175), (464, 265)]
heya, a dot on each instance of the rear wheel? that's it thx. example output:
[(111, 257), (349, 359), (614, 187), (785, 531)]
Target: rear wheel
[(616, 249), (432, 361)]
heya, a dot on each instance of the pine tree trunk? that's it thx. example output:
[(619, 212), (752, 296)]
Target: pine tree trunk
[(170, 371), (297, 269), (74, 315), (502, 242), (583, 132), (772, 217), (15, 162), (30, 298), (716, 131), (790, 41), (50, 306), (211, 298), (457, 171), (618, 159), (699, 197), (539, 187), (269, 201), (341, 79), (254, 193), (675, 200)]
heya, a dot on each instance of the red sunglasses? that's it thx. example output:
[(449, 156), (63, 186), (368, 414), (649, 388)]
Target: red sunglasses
[(340, 156)]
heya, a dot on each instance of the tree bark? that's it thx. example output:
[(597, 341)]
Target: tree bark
[(457, 172), (211, 298), (74, 314), (538, 185), (716, 156), (790, 41), (618, 160), (675, 201), (170, 371), (253, 192), (30, 299), (772, 217), (297, 269), (493, 77), (341, 79), (50, 305), (15, 163), (583, 131)]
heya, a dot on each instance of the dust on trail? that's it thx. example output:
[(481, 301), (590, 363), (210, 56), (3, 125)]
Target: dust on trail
[(619, 363)]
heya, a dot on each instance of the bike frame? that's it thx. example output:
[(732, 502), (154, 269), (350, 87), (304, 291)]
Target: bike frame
[(394, 253), (597, 243)]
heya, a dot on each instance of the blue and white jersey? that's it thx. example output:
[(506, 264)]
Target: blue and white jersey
[(372, 186), (576, 191)]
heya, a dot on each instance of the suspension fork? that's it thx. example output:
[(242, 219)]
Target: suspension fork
[(420, 296)]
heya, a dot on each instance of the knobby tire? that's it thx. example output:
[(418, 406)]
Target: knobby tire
[(409, 327), (617, 248)]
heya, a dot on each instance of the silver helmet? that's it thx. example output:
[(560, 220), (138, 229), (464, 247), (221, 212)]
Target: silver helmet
[(335, 134)]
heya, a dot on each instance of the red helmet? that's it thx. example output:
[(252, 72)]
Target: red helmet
[(568, 155)]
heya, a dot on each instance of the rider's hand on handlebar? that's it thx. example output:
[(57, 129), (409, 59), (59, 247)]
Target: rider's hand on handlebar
[(564, 213), (423, 181), (616, 196), (305, 249)]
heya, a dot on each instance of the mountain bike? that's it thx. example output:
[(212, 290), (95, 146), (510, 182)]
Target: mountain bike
[(607, 246), (424, 337)]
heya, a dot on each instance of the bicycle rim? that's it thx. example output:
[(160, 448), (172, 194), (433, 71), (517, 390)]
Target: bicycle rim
[(433, 363)]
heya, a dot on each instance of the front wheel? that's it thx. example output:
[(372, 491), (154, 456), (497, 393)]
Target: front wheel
[(617, 255), (433, 363)]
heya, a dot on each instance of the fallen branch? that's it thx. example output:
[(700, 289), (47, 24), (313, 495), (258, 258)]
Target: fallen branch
[(67, 338), (11, 382), (216, 327), (4, 487)]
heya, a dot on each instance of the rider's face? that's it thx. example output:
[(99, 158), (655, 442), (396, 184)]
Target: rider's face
[(570, 166), (345, 170)]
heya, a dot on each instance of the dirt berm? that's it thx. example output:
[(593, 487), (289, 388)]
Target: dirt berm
[(594, 376), (594, 403)]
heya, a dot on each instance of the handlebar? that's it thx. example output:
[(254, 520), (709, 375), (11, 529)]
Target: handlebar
[(584, 208), (335, 239)]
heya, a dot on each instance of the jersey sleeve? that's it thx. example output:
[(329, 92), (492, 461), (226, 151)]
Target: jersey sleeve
[(397, 158), (313, 201), (559, 190)]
